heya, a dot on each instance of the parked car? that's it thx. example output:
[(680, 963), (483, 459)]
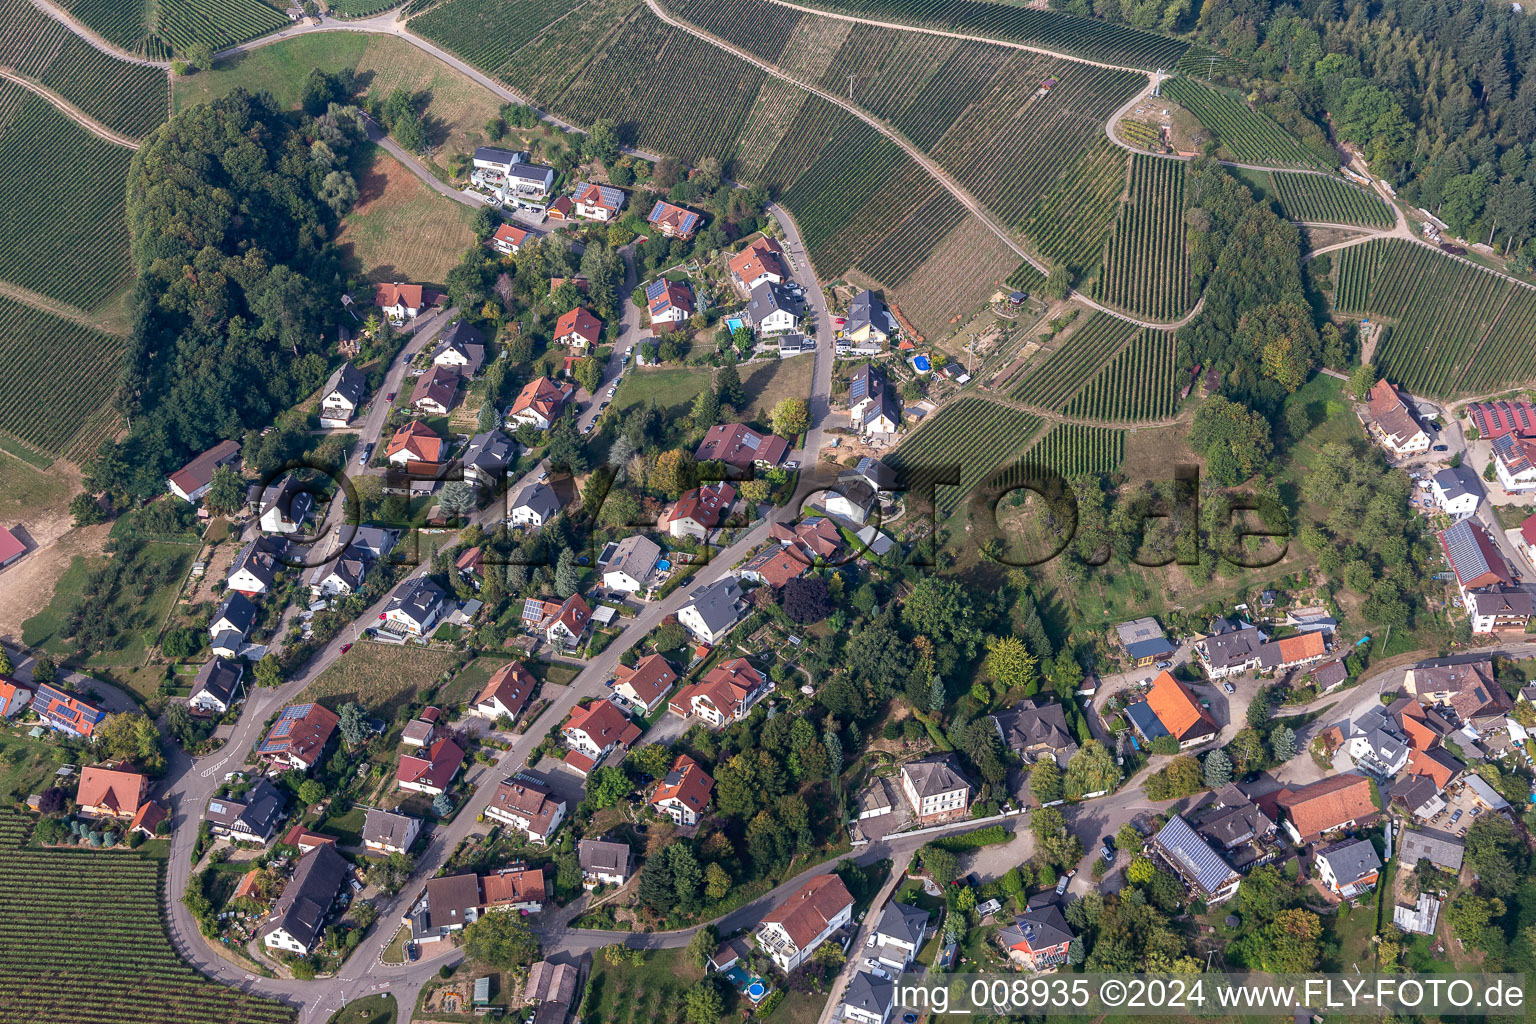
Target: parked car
[(345, 648), (390, 397), (1442, 448), (1061, 885), (1229, 687), (1165, 664), (1107, 854), (412, 952), (1456, 817)]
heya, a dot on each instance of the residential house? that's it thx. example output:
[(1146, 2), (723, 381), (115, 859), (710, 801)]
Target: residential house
[(872, 407), (1238, 827), (298, 917), (935, 789), (869, 999), (561, 622), (1144, 641), (1441, 849), (232, 622), (1418, 795), (496, 159), (850, 498), (111, 792), (725, 694), (435, 391), (1293, 652), (773, 310), (452, 903), (191, 482), (578, 329), (529, 182), (460, 348), (1495, 419), (673, 221), (486, 459), (700, 511), (1463, 690), (598, 202), (684, 794), (713, 610), (1176, 712), (669, 302), (868, 319), (14, 696), (594, 731), (534, 505), (1374, 741), (1500, 608), (251, 817), (740, 446), (255, 568), (645, 684), (761, 261), (343, 574), (1231, 649), (1393, 422), (147, 821), (509, 239), (416, 448), (432, 774), (298, 736), (1350, 868), (66, 713), (1456, 491), (815, 539), (387, 832), (1335, 802), (540, 403), (899, 934), (506, 693), (342, 396), (414, 607), (1473, 557), (1484, 795), (551, 985), (633, 562), (304, 840), (793, 930), (1329, 675), (217, 687), (285, 506), (422, 730), (1036, 729), (1514, 463), (1204, 870), (400, 302), (514, 888), (529, 805), (774, 567), (1039, 939), (603, 862)]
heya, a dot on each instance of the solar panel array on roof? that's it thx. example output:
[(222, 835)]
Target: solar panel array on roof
[(655, 288), (1181, 842), (283, 726), (750, 441), (858, 388), (1468, 556), (1146, 720), (533, 609)]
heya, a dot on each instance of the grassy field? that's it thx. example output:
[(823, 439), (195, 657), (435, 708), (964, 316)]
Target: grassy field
[(470, 679), (31, 492), (455, 115), (766, 383), (400, 229), (379, 676), (650, 991), (674, 388), (367, 1010)]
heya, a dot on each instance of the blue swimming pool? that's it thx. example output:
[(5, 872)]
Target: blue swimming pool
[(754, 988), (922, 364), (663, 565), (734, 324)]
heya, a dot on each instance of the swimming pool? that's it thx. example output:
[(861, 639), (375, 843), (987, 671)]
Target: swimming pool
[(734, 323), (921, 364), (663, 565), (751, 986)]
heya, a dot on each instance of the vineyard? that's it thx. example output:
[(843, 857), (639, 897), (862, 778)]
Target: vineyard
[(1244, 134), (1202, 62), (970, 437), (180, 23), (484, 34), (1071, 449), (1146, 270), (1050, 30), (1087, 350), (63, 241), (1450, 326), (82, 941), (1139, 384), (358, 8), (1315, 198), (130, 98), (757, 26), (1069, 222), (969, 265), (910, 243), (43, 355), (546, 66)]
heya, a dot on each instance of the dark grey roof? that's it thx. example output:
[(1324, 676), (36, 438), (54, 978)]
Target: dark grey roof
[(418, 597), (490, 452), (1457, 481), (495, 154), (1351, 860), (257, 811), (716, 603), (1041, 926), (1414, 792), (867, 310), (611, 858), (300, 910), (349, 382), (855, 489), (1234, 646), (1190, 853), (1512, 601), (903, 922), (386, 827), (220, 679), (878, 474), (769, 298), (531, 172), (239, 610), (870, 993), (260, 558), (289, 497), (540, 498), (1440, 848), (1144, 638), (468, 341), (375, 540), (932, 776), (1231, 818), (1036, 723)]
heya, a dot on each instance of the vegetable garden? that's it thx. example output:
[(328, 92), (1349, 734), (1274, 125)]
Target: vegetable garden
[(1246, 135), (1451, 325), (487, 34), (1051, 30), (1087, 350), (1071, 449), (130, 98), (1318, 199), (970, 434), (44, 356), (1146, 269), (1139, 384), (60, 239), (84, 942)]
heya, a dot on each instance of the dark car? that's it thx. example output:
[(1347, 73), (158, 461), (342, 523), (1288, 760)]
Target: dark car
[(1109, 842), (412, 952), (1442, 448)]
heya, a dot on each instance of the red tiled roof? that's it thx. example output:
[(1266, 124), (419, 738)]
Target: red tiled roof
[(604, 723), (650, 677), (511, 234), (543, 396), (115, 790), (150, 815), (199, 472), (418, 439), (1178, 709), (808, 910), (686, 783), (1390, 414), (1528, 530), (1495, 419), (388, 294), (514, 886), (306, 840), (762, 255), (561, 208), (1301, 647), (777, 566), (726, 686), (580, 323), (707, 506), (443, 761), (739, 445), (10, 547), (1327, 803), (512, 685)]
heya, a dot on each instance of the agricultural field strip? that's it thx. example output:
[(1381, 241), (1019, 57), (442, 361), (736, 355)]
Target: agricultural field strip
[(1324, 199), (971, 434), (1082, 356), (1139, 384), (69, 110), (1071, 449), (1145, 266), (1248, 135)]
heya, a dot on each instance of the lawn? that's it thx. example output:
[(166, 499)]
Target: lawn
[(346, 827), (401, 230), (650, 992), (1352, 928), (765, 383), (378, 1009), (381, 677), (799, 1008), (470, 680), (31, 492), (26, 764), (673, 388)]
